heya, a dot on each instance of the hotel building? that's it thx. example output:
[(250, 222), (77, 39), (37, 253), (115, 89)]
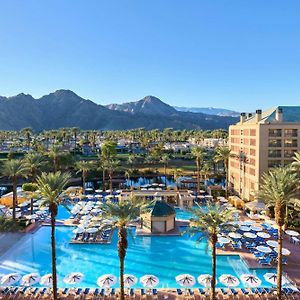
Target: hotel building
[(261, 141)]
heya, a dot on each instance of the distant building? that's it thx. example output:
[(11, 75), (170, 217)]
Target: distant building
[(210, 143), (259, 142)]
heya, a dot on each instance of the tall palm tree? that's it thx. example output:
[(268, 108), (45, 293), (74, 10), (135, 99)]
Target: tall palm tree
[(198, 153), (34, 162), (223, 154), (112, 166), (206, 171), (128, 174), (209, 223), (55, 153), (177, 173), (121, 214), (51, 186), (14, 169), (27, 132), (84, 167), (278, 189)]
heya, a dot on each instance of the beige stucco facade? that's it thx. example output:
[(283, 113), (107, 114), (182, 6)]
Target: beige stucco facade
[(258, 143)]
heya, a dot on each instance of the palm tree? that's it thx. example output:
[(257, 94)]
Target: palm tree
[(121, 214), (278, 189), (128, 174), (176, 174), (112, 166), (27, 132), (84, 167), (14, 169), (209, 223), (54, 154), (51, 187), (223, 154), (34, 162), (165, 160), (296, 162), (206, 171), (199, 154)]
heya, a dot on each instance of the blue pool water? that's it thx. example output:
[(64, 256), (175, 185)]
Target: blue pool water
[(164, 257)]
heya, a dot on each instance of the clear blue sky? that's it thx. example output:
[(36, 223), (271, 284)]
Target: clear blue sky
[(235, 54)]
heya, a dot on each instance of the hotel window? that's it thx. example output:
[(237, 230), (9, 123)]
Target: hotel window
[(290, 143), (275, 132), (253, 132), (290, 133), (274, 143), (274, 153), (252, 142), (274, 163), (252, 152), (289, 153)]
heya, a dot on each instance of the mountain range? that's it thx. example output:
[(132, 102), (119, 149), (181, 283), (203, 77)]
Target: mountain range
[(209, 111), (64, 108)]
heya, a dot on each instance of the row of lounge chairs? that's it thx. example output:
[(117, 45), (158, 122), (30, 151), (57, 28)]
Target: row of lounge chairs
[(15, 293), (103, 236)]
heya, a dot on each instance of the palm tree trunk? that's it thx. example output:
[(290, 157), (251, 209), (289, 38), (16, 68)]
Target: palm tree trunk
[(198, 176), (54, 277), (279, 263), (213, 267), (83, 181), (122, 246), (103, 180), (15, 197), (110, 182), (226, 178), (31, 206)]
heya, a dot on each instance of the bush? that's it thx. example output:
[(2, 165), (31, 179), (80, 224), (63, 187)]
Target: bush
[(9, 225)]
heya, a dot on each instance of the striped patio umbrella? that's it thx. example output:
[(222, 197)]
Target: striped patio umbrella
[(185, 280)]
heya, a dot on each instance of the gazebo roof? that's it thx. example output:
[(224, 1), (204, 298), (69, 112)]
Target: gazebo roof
[(162, 209)]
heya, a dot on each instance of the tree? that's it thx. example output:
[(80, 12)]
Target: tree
[(54, 154), (51, 187), (128, 174), (177, 173), (206, 171), (84, 167), (198, 153), (209, 223), (112, 166), (27, 132), (14, 169), (34, 162), (31, 189), (296, 162), (121, 214), (278, 189), (223, 154)]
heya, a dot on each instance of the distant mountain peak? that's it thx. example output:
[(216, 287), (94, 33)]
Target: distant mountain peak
[(149, 105)]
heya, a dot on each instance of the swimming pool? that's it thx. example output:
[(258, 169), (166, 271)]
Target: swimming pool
[(164, 257)]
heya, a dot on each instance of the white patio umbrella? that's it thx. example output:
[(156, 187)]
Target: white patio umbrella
[(284, 251), (250, 280), (46, 280), (263, 235), (107, 280), (250, 235), (245, 228), (98, 191), (10, 279), (292, 233), (256, 228), (30, 279), (205, 280), (185, 280), (264, 249), (78, 230), (73, 278), (249, 222), (223, 240), (272, 278), (272, 243), (92, 230), (229, 280), (149, 281), (32, 217), (234, 235), (129, 280)]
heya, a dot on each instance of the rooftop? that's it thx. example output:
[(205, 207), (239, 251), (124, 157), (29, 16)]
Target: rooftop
[(162, 209)]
